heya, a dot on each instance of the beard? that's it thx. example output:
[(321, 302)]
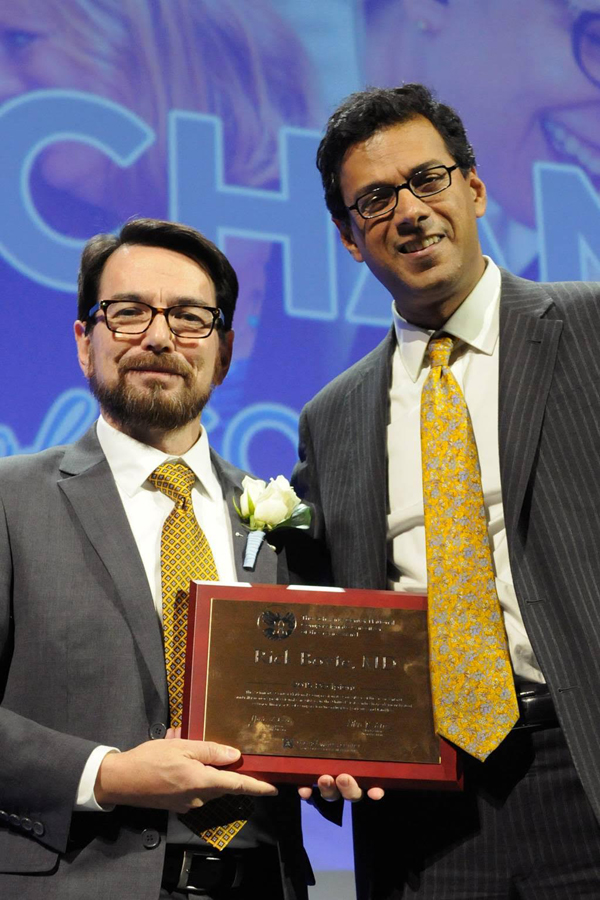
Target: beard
[(154, 407)]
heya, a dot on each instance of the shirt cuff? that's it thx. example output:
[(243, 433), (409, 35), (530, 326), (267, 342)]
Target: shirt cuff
[(85, 791)]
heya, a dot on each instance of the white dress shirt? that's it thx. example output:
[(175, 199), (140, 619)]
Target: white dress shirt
[(474, 364), (146, 509)]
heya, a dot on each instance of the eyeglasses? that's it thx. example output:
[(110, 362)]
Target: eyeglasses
[(384, 199), (135, 317), (586, 45)]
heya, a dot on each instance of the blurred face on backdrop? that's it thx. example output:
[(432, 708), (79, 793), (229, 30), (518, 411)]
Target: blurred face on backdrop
[(152, 57), (45, 45), (425, 251), (519, 74), (155, 382)]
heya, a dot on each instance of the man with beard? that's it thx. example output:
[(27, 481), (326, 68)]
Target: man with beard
[(86, 781)]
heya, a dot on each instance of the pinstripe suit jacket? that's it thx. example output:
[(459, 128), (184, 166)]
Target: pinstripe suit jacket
[(82, 664), (549, 440)]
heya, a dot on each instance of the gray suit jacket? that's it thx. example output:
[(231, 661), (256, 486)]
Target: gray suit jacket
[(82, 664), (549, 437)]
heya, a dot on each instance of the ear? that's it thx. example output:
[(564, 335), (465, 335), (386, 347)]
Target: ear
[(348, 240), (478, 192), (83, 347), (224, 356)]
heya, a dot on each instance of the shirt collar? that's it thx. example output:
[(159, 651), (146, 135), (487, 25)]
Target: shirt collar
[(475, 322), (131, 462)]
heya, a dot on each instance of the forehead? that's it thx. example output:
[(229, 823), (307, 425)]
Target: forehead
[(391, 154), (154, 273)]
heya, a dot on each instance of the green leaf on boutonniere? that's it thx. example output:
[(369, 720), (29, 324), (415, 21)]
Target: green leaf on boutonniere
[(300, 518)]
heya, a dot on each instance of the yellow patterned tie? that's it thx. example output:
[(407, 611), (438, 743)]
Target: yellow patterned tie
[(186, 554), (472, 683)]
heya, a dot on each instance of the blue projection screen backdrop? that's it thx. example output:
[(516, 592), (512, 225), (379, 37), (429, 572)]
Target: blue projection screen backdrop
[(210, 112)]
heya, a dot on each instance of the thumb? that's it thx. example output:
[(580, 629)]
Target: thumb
[(213, 754)]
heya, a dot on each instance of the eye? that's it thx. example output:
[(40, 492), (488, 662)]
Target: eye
[(376, 201), (189, 315), (429, 180), (126, 311), (17, 39)]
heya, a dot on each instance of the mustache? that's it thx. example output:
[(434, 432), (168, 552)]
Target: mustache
[(152, 363)]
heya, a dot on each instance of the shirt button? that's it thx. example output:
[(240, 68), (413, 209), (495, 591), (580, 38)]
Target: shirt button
[(150, 838), (38, 829), (157, 731)]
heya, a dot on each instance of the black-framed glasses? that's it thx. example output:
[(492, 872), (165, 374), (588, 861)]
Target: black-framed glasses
[(135, 317), (382, 200), (586, 45)]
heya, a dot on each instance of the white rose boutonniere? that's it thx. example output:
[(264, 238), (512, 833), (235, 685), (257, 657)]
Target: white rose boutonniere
[(266, 507)]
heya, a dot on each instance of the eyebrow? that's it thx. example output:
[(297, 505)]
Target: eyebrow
[(141, 298), (373, 185)]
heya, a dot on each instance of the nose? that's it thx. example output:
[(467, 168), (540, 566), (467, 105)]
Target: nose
[(158, 337), (410, 210), (12, 82), (15, 61)]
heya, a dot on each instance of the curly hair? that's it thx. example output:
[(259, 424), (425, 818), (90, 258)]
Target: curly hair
[(364, 113)]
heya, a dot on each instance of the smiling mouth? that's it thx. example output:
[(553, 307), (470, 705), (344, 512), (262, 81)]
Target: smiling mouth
[(415, 246), (145, 371), (568, 145)]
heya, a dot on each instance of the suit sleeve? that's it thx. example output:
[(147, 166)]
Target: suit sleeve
[(39, 768)]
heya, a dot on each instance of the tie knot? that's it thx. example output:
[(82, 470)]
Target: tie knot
[(175, 479), (440, 349)]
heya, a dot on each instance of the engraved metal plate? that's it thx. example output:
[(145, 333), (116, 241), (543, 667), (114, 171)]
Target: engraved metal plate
[(315, 680), (307, 683)]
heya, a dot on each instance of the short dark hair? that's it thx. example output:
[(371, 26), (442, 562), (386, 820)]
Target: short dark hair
[(156, 233), (364, 113)]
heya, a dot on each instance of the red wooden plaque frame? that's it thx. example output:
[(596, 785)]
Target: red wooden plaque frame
[(445, 775)]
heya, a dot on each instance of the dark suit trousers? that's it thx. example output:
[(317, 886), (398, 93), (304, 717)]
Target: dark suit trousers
[(522, 829)]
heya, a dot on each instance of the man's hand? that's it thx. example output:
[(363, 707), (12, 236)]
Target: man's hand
[(343, 786), (173, 774)]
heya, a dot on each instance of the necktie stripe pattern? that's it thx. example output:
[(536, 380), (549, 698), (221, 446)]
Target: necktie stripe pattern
[(472, 683), (186, 554)]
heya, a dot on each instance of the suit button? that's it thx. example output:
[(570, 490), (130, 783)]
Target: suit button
[(157, 731), (26, 824), (14, 820), (150, 838), (38, 829), (3, 815)]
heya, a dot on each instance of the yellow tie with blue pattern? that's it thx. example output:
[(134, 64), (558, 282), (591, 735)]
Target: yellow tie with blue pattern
[(186, 554), (472, 684)]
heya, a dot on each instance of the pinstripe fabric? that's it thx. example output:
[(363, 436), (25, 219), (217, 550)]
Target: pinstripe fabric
[(555, 518), (549, 435), (342, 437), (523, 831)]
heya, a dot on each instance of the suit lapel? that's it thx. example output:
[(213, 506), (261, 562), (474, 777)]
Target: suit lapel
[(365, 477), (90, 489), (265, 570), (528, 347)]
